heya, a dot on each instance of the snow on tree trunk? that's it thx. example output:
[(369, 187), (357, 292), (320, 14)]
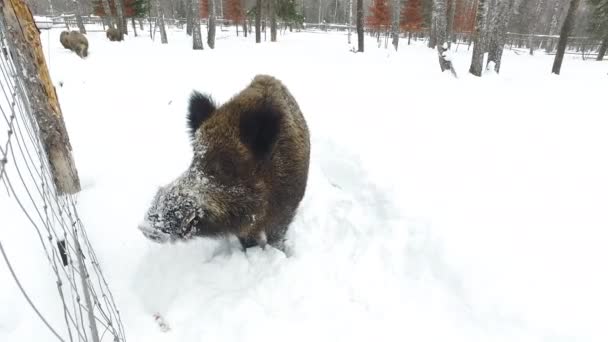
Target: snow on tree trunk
[(440, 14), (197, 39), (360, 33), (477, 59), (451, 15), (350, 19), (602, 51), (134, 26), (395, 24), (211, 25), (161, 23), (190, 9), (273, 20), (258, 21), (107, 12), (563, 36), (500, 22), (78, 15), (534, 22)]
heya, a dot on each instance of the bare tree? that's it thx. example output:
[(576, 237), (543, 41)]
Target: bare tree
[(477, 59), (160, 19), (258, 21), (534, 24), (450, 29), (134, 26), (553, 23), (602, 51), (211, 25), (108, 13), (78, 14), (563, 36), (440, 15), (500, 21), (360, 33), (190, 10), (273, 20), (350, 19), (197, 39), (395, 23)]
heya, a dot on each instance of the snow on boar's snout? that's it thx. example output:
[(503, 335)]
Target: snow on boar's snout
[(248, 173)]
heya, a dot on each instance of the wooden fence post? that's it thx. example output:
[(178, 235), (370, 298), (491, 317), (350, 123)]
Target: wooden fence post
[(24, 37)]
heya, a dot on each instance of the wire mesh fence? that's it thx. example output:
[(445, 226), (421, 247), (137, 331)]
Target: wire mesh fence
[(27, 183)]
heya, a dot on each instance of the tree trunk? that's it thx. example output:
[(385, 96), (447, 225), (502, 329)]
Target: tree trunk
[(258, 21), (320, 6), (78, 15), (440, 14), (245, 28), (120, 19), (24, 38), (190, 8), (161, 23), (211, 25), (134, 26), (108, 12), (563, 37), (477, 59), (451, 13), (553, 25), (534, 23), (195, 24), (141, 24), (504, 11), (395, 23), (602, 51), (350, 19), (360, 33), (433, 33), (273, 20)]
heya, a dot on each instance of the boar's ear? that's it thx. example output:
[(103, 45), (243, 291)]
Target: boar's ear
[(259, 129), (200, 108)]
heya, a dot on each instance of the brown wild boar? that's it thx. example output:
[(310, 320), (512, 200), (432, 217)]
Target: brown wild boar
[(113, 35), (75, 41), (248, 173)]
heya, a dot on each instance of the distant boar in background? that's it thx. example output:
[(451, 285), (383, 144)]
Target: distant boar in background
[(75, 41), (248, 174), (113, 35)]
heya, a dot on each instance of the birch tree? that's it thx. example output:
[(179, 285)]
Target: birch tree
[(500, 21), (350, 19), (395, 23), (563, 36), (477, 59), (160, 19), (197, 39), (211, 25)]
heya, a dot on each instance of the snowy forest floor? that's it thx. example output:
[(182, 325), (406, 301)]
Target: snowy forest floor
[(436, 210)]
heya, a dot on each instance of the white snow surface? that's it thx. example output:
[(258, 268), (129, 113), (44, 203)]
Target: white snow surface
[(437, 209)]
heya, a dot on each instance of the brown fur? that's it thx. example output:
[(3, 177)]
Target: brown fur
[(113, 35), (75, 41), (253, 153)]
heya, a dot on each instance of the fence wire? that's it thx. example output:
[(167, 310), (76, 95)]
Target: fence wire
[(89, 312)]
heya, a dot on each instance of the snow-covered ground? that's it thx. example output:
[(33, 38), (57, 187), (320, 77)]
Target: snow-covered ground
[(436, 209)]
